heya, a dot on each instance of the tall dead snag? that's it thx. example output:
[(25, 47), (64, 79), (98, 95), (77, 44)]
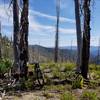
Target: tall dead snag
[(86, 39), (98, 55), (0, 41), (79, 34), (57, 31), (24, 38), (16, 34)]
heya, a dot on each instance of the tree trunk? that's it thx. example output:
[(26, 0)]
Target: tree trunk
[(79, 34), (16, 35), (57, 32), (0, 41), (86, 39), (24, 38), (98, 55)]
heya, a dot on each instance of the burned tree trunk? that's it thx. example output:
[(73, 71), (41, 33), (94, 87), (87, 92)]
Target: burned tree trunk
[(98, 54), (86, 39), (0, 41), (79, 34), (24, 38), (15, 34), (57, 32)]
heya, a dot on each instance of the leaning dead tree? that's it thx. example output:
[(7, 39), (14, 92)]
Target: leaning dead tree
[(78, 33), (86, 39), (16, 34), (57, 31), (23, 46)]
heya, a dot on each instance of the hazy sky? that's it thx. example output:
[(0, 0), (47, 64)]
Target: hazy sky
[(42, 22)]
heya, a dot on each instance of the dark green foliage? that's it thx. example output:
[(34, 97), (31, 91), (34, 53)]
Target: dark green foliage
[(77, 82), (89, 96), (5, 65), (67, 96), (93, 84)]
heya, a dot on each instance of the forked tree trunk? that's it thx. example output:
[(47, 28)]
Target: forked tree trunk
[(79, 34), (86, 39), (24, 38), (57, 32), (16, 35)]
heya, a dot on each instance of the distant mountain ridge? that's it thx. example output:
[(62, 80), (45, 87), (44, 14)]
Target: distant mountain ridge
[(93, 49), (42, 53)]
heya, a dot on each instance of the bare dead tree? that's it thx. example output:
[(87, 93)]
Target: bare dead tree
[(0, 41), (57, 31), (78, 33), (86, 39), (24, 38), (98, 55), (16, 34)]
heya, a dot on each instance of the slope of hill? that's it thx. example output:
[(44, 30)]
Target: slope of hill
[(47, 54), (42, 54)]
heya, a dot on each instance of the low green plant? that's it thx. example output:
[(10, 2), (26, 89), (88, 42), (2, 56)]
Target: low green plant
[(56, 72), (68, 66), (89, 96), (29, 83), (67, 96), (93, 84), (5, 65), (47, 95), (94, 67), (77, 82), (47, 80)]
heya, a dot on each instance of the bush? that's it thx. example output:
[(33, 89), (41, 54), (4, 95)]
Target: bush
[(67, 96), (5, 65), (89, 96), (94, 67), (68, 66), (93, 84), (29, 84)]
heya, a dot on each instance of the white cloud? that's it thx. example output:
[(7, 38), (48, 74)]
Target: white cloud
[(6, 15), (62, 19), (46, 28), (46, 32)]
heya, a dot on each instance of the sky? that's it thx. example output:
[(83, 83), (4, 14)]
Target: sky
[(42, 22)]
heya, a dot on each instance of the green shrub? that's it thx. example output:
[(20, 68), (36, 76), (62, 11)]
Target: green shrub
[(56, 72), (77, 82), (94, 67), (5, 65), (68, 66), (47, 95), (47, 80), (67, 96), (95, 74), (93, 84), (29, 84), (89, 96)]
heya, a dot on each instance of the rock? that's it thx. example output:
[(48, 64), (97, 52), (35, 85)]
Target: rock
[(78, 92), (47, 70)]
